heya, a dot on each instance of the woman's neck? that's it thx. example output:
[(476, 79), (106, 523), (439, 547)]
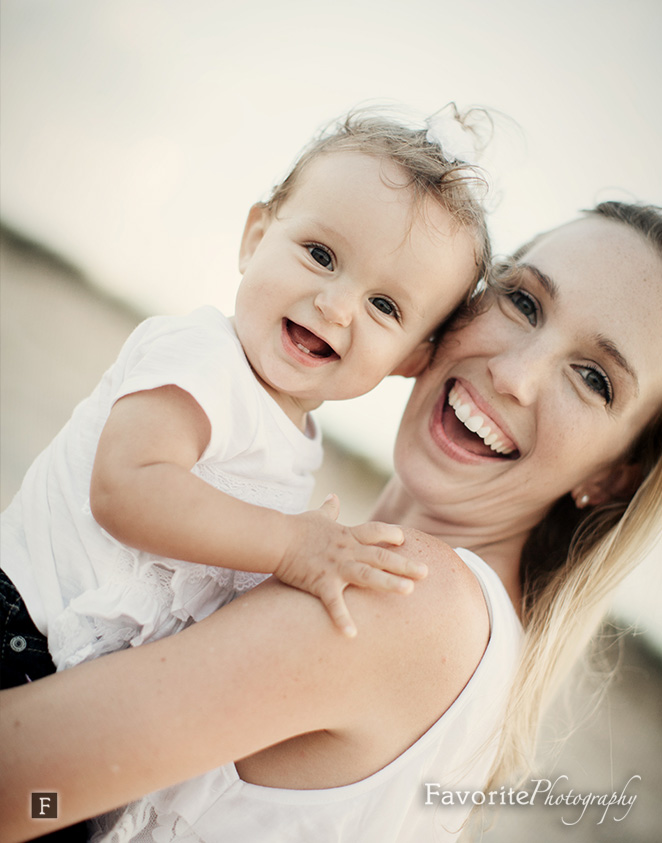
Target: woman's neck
[(500, 550)]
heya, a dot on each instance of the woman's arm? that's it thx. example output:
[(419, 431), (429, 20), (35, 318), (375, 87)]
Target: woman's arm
[(268, 667)]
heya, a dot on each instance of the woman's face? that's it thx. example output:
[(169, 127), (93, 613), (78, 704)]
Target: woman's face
[(549, 386)]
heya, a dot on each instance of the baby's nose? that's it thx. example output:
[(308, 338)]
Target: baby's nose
[(336, 305)]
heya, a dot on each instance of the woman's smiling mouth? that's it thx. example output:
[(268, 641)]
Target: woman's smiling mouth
[(466, 432), (478, 422)]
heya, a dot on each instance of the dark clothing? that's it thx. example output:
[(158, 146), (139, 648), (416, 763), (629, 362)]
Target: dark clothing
[(24, 657), (24, 654)]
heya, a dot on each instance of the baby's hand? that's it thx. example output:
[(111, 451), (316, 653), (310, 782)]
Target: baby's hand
[(325, 557)]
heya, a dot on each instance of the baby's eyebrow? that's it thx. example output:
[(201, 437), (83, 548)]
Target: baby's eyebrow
[(326, 229), (401, 291)]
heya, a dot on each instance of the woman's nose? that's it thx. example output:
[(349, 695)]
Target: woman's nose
[(519, 372), (335, 304)]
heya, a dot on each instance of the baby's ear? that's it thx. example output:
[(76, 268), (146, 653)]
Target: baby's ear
[(416, 362), (257, 223)]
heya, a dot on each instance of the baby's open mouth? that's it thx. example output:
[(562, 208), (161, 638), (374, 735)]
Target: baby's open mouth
[(472, 429), (308, 342)]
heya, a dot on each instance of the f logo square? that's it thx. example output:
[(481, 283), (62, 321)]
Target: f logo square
[(44, 806)]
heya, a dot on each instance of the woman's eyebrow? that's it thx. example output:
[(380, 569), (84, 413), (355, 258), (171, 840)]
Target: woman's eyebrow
[(603, 343), (610, 349), (549, 286)]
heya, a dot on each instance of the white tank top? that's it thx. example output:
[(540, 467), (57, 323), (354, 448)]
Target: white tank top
[(455, 754)]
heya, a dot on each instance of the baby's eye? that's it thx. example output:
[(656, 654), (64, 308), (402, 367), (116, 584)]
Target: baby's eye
[(386, 306), (321, 254), (526, 305), (597, 382)]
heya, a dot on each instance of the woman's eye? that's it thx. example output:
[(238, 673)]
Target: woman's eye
[(321, 254), (526, 305), (385, 305), (597, 382)]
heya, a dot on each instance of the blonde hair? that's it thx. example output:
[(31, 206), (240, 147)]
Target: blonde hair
[(453, 185), (574, 560)]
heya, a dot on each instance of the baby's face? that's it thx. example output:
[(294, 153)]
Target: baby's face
[(342, 285)]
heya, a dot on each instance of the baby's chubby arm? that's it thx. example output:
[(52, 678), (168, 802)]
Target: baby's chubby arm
[(144, 494)]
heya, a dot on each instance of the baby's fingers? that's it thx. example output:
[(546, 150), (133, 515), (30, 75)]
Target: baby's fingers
[(330, 507), (334, 603), (393, 563), (377, 532), (366, 576)]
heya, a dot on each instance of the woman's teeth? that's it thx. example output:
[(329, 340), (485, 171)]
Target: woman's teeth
[(476, 423)]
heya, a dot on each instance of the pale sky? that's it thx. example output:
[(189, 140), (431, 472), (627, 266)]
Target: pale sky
[(136, 134)]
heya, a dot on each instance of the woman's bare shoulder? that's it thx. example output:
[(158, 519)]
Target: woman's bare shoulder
[(450, 581), (411, 659), (413, 652), (426, 644)]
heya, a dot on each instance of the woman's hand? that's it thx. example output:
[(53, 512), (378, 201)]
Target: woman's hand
[(324, 557)]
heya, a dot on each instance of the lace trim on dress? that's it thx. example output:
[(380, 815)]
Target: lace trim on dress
[(145, 598), (284, 498), (140, 823)]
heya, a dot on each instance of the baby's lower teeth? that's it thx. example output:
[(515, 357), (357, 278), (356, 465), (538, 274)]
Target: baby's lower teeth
[(303, 348)]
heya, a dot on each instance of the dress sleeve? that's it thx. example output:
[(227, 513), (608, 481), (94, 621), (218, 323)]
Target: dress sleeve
[(200, 354)]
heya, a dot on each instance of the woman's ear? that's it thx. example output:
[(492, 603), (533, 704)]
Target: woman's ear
[(615, 483), (257, 223), (416, 362)]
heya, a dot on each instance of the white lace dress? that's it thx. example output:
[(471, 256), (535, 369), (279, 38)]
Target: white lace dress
[(88, 592)]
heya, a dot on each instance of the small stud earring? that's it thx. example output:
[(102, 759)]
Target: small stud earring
[(583, 502)]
